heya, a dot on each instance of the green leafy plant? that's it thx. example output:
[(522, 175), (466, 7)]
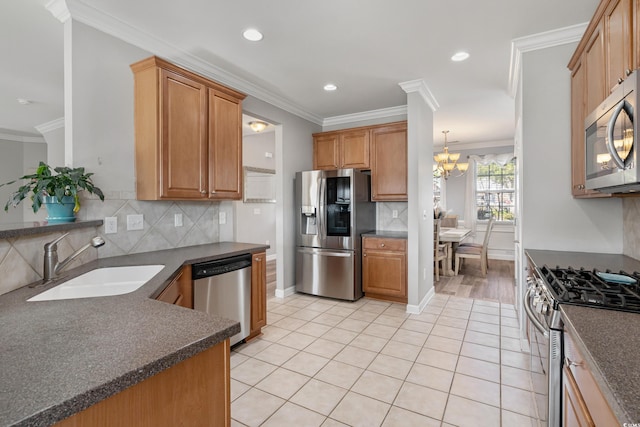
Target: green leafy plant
[(66, 182)]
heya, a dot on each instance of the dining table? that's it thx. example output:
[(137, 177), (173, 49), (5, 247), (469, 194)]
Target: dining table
[(452, 238)]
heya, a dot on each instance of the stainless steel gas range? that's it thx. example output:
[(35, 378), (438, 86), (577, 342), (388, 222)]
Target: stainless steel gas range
[(549, 285)]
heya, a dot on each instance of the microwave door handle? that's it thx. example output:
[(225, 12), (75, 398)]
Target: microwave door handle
[(532, 317), (610, 127)]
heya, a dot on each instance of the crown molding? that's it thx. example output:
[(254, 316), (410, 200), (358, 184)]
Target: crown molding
[(49, 126), (539, 41), (59, 10), (400, 110), (89, 15), (421, 87), (21, 138)]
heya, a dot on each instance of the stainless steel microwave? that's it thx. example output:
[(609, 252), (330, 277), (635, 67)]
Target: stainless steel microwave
[(610, 141)]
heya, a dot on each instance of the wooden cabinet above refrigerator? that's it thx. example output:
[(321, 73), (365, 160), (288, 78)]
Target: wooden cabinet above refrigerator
[(380, 148)]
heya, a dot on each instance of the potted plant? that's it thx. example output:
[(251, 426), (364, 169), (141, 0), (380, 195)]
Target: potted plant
[(59, 192)]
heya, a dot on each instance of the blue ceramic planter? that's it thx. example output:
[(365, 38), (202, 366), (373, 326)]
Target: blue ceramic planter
[(59, 212)]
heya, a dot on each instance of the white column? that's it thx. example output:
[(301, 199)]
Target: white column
[(420, 108)]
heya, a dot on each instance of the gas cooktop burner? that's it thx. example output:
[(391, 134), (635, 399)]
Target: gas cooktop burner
[(594, 288)]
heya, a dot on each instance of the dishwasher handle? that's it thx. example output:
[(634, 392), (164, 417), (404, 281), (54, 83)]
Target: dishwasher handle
[(220, 266)]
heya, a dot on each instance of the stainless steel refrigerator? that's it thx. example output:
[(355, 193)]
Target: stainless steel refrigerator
[(333, 208)]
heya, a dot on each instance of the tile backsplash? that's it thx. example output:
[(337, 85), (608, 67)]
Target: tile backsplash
[(385, 218), (631, 227), (21, 259)]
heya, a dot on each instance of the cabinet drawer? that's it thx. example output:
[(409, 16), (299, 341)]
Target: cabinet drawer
[(384, 243)]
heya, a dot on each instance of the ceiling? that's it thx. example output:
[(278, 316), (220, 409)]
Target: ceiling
[(365, 51)]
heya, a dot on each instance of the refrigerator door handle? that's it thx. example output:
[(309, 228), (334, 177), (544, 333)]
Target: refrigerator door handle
[(325, 252), (322, 199)]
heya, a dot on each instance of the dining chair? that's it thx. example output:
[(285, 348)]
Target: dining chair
[(475, 250), (439, 250)]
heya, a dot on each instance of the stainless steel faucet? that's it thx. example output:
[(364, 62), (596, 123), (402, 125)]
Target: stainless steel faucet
[(51, 265)]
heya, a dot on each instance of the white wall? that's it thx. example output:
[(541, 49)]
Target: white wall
[(33, 152), (294, 152), (103, 131), (11, 165), (256, 222), (551, 218)]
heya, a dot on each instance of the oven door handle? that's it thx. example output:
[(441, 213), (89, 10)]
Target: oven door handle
[(532, 317)]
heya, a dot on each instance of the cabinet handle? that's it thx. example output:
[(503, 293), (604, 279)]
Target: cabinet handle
[(364, 254), (213, 192), (620, 80), (570, 362), (382, 245), (628, 72), (203, 192), (258, 259)]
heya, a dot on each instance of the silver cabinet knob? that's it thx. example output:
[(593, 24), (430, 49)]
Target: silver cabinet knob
[(382, 245), (570, 362), (628, 72), (620, 80), (203, 192)]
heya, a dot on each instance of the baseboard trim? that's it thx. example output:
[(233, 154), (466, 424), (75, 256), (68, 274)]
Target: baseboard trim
[(417, 309), (283, 293)]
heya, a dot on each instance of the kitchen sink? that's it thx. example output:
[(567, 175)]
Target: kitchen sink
[(101, 282)]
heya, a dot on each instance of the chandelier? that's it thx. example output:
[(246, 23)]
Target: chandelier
[(447, 162)]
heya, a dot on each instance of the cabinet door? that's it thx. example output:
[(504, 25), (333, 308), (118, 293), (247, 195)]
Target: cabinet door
[(225, 147), (389, 163), (617, 26), (384, 273), (636, 34), (594, 64), (325, 151), (354, 149), (183, 143), (258, 292), (180, 290), (575, 412)]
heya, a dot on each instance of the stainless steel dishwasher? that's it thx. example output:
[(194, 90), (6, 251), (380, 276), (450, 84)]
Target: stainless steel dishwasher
[(223, 287)]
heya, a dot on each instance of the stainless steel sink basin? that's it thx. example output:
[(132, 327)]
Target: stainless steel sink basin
[(101, 282)]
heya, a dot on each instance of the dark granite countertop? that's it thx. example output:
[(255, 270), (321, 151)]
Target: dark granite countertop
[(608, 339), (8, 231), (60, 357), (386, 234)]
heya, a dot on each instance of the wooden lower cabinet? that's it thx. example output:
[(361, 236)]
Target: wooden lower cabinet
[(583, 401), (258, 293), (195, 392), (180, 290), (384, 268)]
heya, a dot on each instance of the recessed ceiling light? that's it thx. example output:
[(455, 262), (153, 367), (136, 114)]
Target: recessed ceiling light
[(23, 101), (252, 34), (330, 87), (460, 56)]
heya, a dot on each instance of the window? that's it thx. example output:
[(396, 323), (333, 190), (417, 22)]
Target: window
[(437, 189), (495, 191)]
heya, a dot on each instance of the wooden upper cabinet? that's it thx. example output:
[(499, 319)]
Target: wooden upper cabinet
[(184, 137), (389, 163), (225, 146), (326, 151), (595, 73), (341, 149), (188, 141), (618, 38), (635, 28), (354, 149)]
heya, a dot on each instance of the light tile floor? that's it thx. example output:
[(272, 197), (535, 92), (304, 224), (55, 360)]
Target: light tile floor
[(323, 362)]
